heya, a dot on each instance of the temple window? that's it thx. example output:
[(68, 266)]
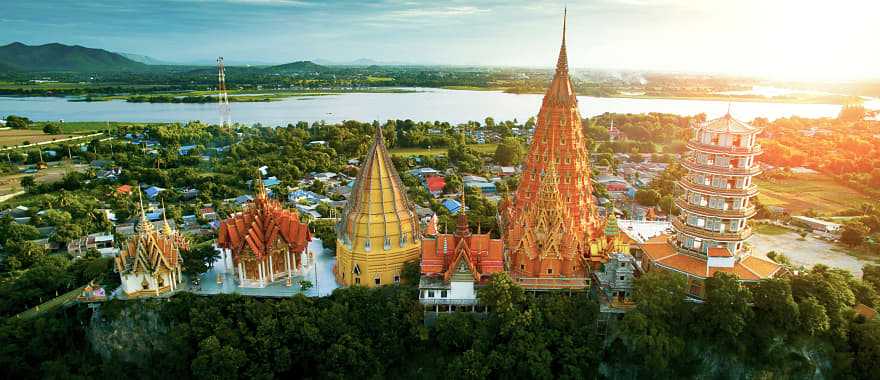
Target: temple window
[(367, 245), (387, 243), (377, 281), (549, 270), (442, 294), (397, 279), (522, 267), (430, 294), (357, 280)]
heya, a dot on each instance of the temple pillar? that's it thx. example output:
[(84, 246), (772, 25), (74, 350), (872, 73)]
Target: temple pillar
[(271, 269), (287, 264), (260, 273), (240, 274)]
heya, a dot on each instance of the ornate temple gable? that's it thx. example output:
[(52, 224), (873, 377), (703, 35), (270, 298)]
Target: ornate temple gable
[(546, 227), (151, 251), (462, 256)]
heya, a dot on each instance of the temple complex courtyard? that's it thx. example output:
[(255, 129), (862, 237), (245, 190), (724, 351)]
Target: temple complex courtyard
[(320, 275)]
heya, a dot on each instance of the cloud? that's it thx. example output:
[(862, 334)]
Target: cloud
[(433, 12)]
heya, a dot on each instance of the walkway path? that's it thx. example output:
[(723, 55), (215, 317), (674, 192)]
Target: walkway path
[(51, 304)]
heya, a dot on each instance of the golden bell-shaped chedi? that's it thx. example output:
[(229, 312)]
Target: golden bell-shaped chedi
[(378, 231)]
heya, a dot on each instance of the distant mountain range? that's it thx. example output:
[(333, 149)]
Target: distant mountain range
[(296, 67), (145, 59), (57, 57), (360, 62)]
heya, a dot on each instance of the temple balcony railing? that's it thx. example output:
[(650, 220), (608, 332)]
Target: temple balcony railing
[(710, 148), (748, 191), (745, 212), (701, 232), (449, 301), (691, 164)]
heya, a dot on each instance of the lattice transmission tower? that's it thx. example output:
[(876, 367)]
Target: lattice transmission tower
[(222, 96)]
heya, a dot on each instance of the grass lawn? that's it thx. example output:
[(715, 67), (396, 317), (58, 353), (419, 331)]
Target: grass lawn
[(770, 229), (802, 192), (482, 148)]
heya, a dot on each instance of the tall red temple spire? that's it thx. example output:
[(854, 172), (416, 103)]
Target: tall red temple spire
[(558, 144)]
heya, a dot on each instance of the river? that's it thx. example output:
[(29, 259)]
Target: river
[(454, 106)]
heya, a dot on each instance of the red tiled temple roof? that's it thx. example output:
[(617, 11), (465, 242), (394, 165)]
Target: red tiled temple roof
[(261, 224), (442, 255), (750, 268)]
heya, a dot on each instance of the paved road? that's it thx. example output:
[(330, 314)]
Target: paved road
[(808, 252)]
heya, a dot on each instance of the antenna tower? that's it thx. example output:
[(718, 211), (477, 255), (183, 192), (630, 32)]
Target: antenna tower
[(223, 97)]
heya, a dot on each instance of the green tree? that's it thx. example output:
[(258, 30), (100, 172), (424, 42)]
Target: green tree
[(506, 299), (854, 233), (726, 311), (871, 275), (66, 232), (199, 258), (27, 182), (17, 122), (51, 129), (509, 152), (453, 184), (11, 231), (215, 361), (813, 318), (648, 197)]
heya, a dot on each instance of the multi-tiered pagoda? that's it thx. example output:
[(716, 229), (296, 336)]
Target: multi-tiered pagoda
[(378, 231), (715, 207), (551, 228)]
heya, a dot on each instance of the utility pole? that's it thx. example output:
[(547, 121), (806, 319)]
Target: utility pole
[(222, 96)]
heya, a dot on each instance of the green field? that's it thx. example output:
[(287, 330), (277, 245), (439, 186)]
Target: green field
[(803, 192), (482, 148)]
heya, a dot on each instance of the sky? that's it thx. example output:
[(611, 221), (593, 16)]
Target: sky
[(778, 39)]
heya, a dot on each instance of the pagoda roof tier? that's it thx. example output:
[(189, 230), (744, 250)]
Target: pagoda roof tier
[(662, 253), (748, 191), (745, 212), (727, 124), (703, 233), (755, 149), (691, 164)]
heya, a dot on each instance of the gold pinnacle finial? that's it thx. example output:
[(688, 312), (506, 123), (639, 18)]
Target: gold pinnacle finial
[(144, 224), (564, 22), (166, 228), (562, 62), (259, 189)]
